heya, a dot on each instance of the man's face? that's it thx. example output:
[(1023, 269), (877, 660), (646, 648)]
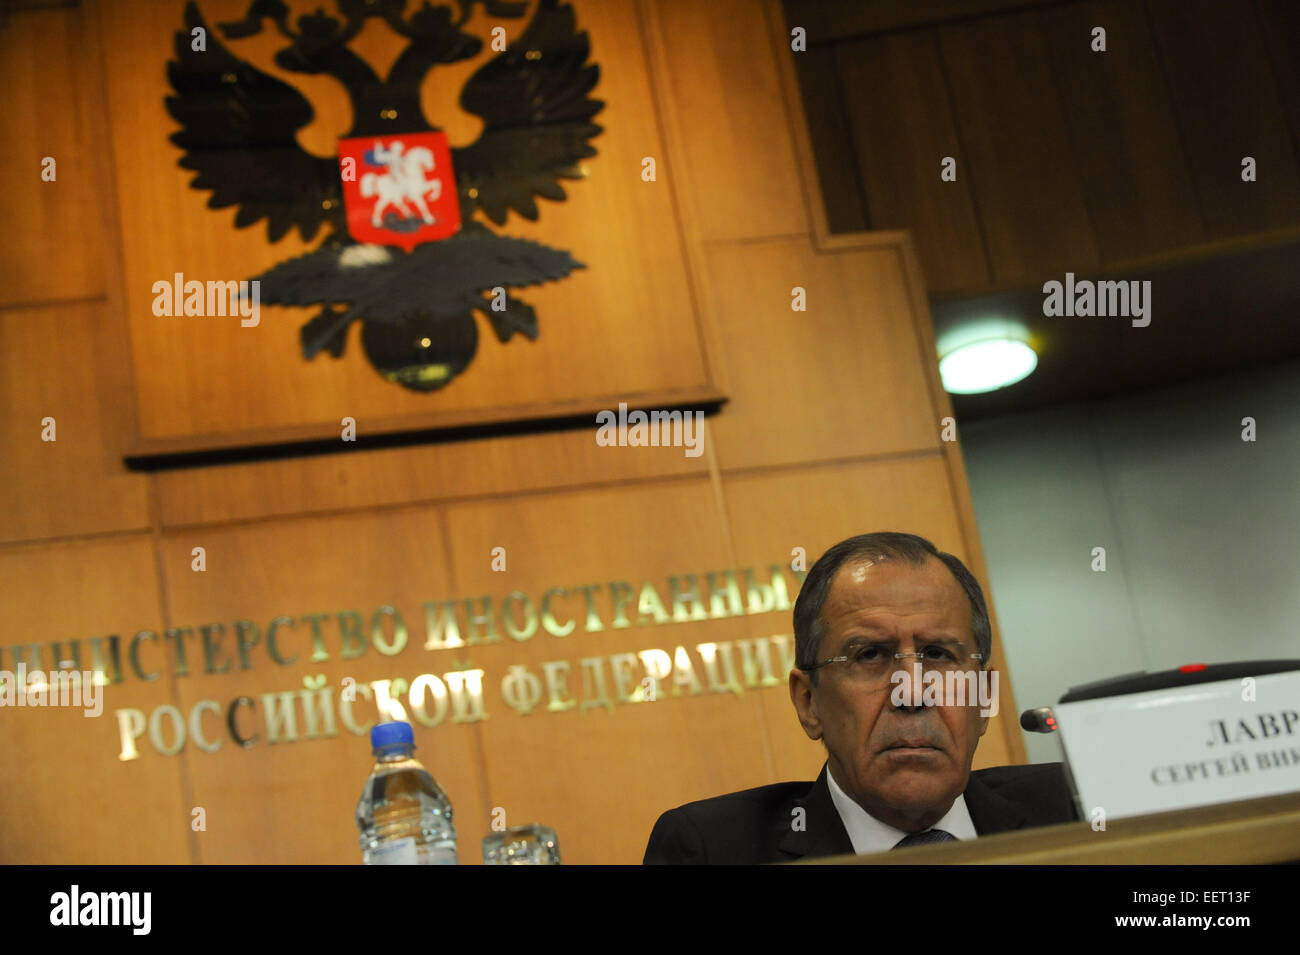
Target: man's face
[(904, 607)]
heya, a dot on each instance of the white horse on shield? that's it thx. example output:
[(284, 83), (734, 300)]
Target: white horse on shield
[(403, 182)]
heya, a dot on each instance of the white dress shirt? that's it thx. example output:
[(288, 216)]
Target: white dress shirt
[(869, 834)]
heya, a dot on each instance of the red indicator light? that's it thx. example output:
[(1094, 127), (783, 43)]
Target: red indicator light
[(1192, 667)]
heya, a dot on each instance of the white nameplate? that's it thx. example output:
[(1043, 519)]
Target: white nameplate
[(1185, 746)]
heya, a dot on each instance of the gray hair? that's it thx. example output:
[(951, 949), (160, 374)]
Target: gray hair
[(809, 628)]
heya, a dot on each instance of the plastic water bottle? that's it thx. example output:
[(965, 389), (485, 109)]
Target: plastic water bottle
[(404, 816)]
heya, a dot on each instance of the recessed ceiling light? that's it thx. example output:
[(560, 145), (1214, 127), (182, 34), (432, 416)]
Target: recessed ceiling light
[(986, 365)]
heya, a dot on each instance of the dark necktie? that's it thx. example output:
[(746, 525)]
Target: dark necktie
[(925, 838)]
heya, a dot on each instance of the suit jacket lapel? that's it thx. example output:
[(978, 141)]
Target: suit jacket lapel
[(823, 833), (989, 811)]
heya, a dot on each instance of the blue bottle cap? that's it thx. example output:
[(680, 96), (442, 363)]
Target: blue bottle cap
[(391, 733)]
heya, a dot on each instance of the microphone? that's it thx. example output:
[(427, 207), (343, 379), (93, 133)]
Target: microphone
[(1038, 720)]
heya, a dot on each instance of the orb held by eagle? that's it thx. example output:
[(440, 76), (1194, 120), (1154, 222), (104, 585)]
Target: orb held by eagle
[(419, 352)]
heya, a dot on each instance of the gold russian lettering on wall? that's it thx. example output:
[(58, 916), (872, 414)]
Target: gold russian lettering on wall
[(427, 682), (631, 677), (593, 624), (756, 663), (711, 654), (243, 643), (386, 701), (730, 589), (686, 603), (211, 634), (233, 726), (658, 664), (593, 684), (318, 653), (56, 652), (762, 598), (778, 586), (680, 596), (620, 592), (113, 664), (317, 707), (177, 635), (466, 688), (684, 673), (133, 654), (625, 684), (280, 716), (155, 729), (549, 623), (460, 692), (521, 689), (352, 642), (441, 627), (196, 725), (346, 716), (389, 648), (485, 619), (556, 673), (649, 607), (530, 616), (130, 724), (784, 643)]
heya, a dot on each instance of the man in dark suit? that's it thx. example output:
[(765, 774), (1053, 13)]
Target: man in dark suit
[(875, 611)]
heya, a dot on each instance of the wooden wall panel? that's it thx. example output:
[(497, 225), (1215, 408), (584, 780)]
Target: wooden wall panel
[(1226, 100), (60, 362), (67, 799), (294, 802), (902, 126), (501, 465), (726, 118), (1073, 158), (1025, 180), (50, 246), (601, 777), (823, 110), (1281, 28), (815, 385), (813, 508), (625, 325), (843, 19), (1122, 132)]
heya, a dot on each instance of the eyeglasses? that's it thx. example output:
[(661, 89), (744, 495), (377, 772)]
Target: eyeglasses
[(873, 663)]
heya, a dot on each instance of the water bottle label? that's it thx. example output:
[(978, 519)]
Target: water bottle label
[(430, 855), (397, 852)]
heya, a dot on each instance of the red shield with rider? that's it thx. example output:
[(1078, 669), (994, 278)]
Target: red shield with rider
[(399, 189)]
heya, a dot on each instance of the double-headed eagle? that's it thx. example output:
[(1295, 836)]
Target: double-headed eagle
[(239, 133)]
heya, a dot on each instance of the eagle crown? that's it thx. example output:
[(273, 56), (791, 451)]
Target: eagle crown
[(319, 46)]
